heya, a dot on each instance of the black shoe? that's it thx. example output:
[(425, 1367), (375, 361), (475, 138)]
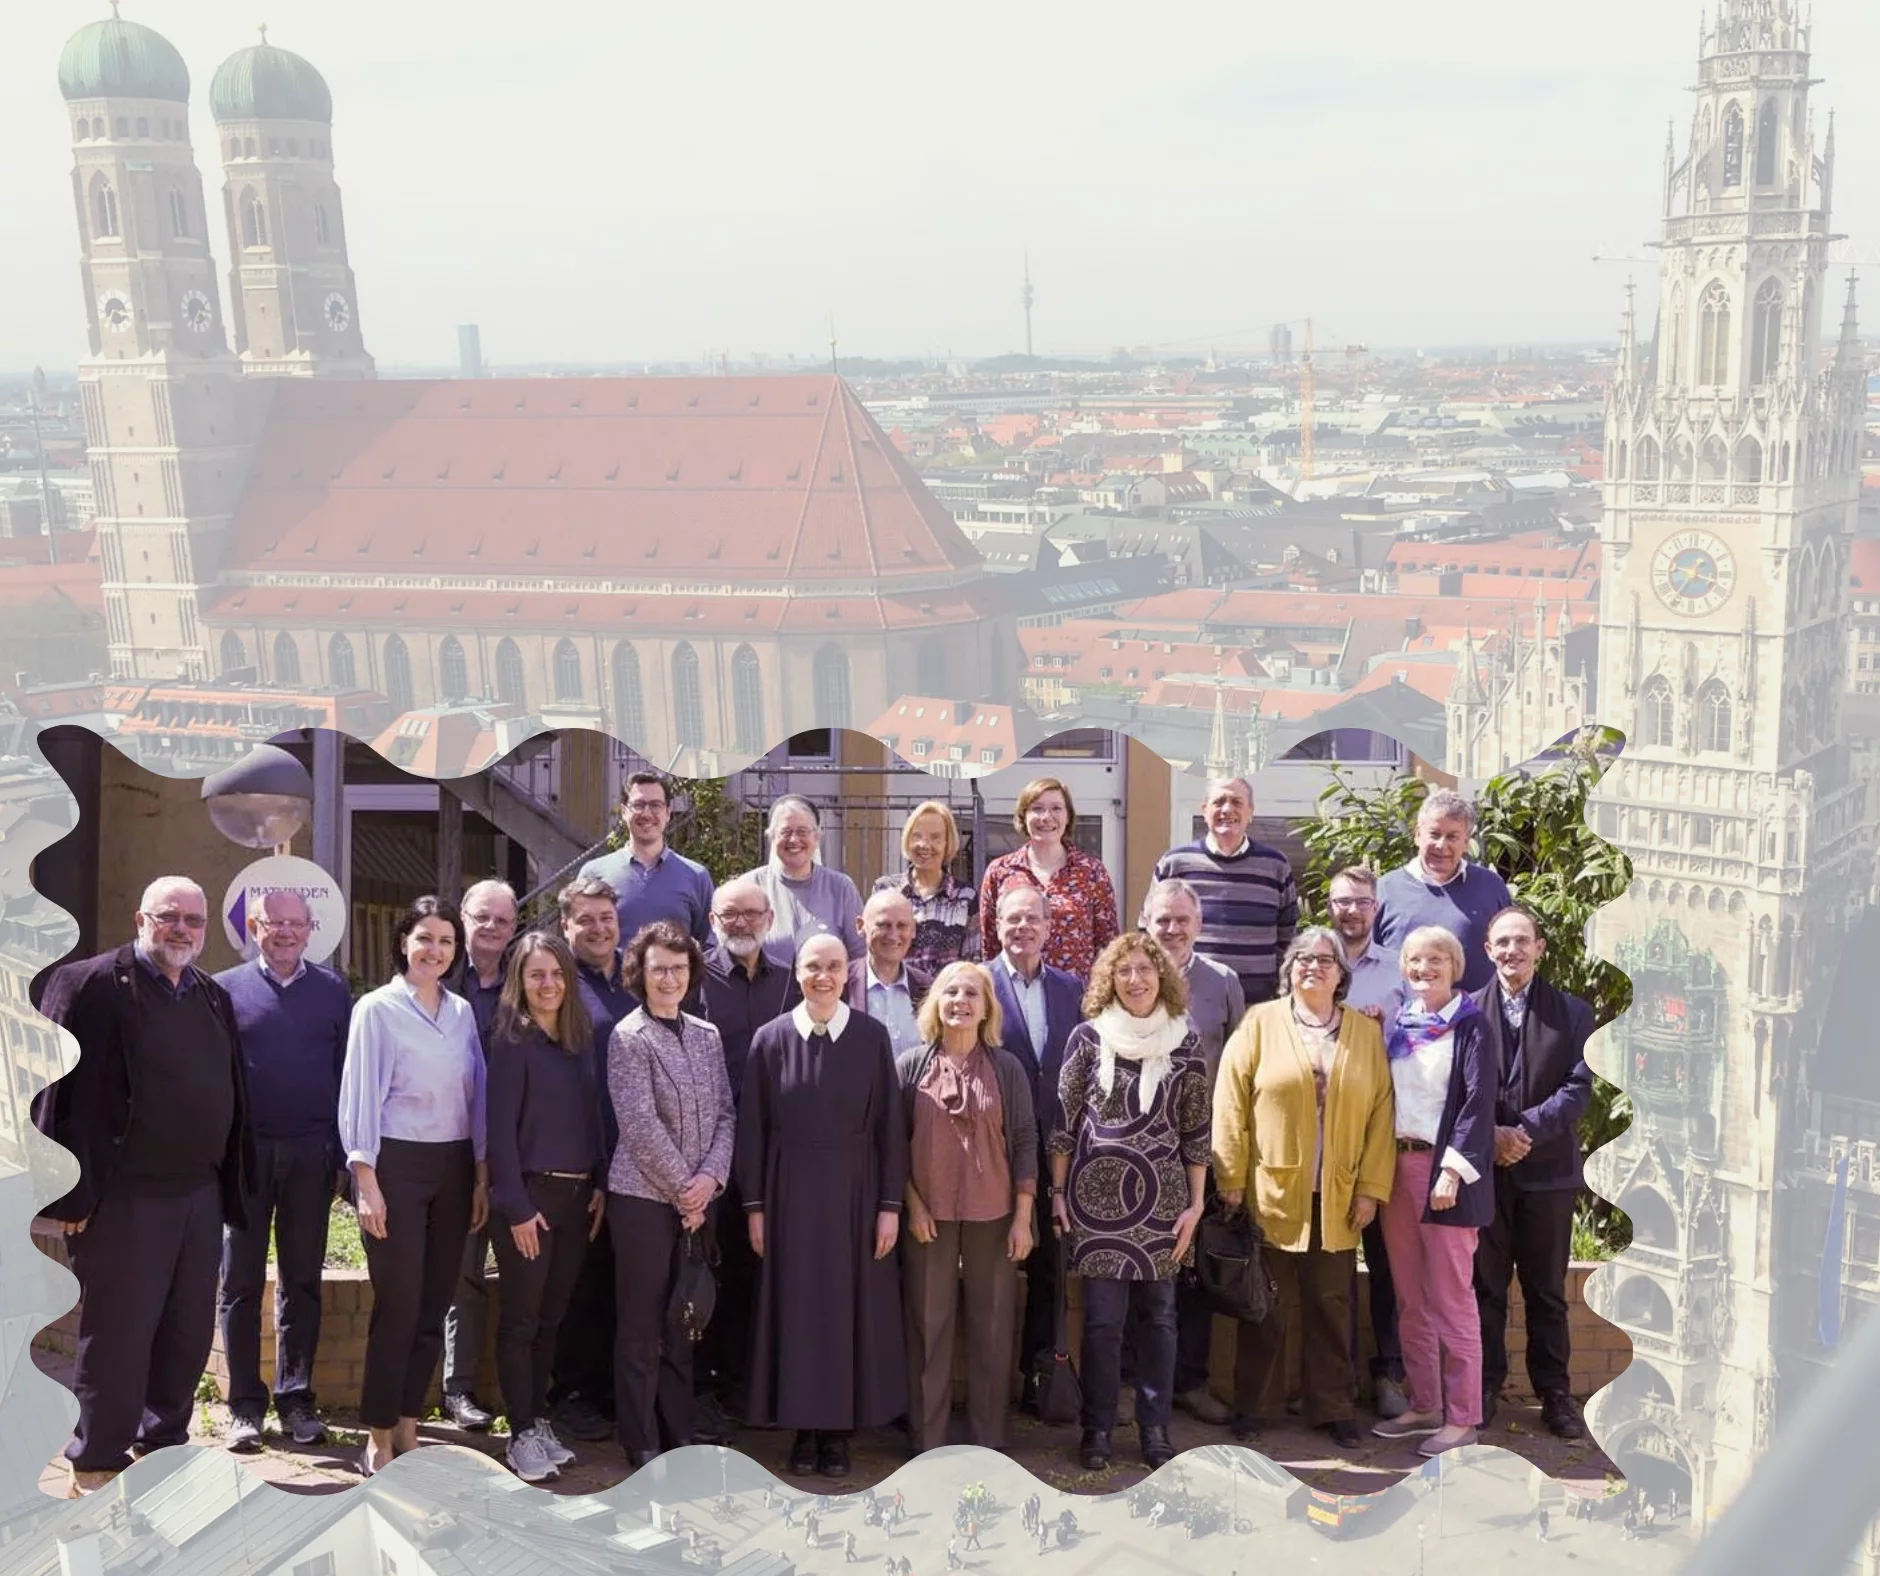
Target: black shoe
[(832, 1455), (302, 1424), (1344, 1433), (1028, 1396), (1490, 1400), (462, 1409), (641, 1458), (803, 1455), (710, 1426), (1562, 1421), (1156, 1450), (1093, 1450), (1246, 1429), (580, 1419)]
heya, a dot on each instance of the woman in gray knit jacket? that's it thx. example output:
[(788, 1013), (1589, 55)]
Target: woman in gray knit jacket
[(672, 1099)]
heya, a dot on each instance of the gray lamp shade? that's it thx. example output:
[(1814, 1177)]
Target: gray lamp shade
[(262, 800)]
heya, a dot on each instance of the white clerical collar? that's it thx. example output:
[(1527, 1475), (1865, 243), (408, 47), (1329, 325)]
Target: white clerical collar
[(806, 1025)]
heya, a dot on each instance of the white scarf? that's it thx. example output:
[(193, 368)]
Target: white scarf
[(1147, 1041)]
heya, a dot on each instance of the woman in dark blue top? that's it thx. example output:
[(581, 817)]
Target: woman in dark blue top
[(546, 1152)]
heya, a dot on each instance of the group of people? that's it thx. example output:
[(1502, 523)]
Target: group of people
[(859, 1117)]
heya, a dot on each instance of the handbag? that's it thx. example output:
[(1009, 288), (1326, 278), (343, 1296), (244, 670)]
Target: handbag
[(1230, 1264), (694, 1285), (1060, 1393)]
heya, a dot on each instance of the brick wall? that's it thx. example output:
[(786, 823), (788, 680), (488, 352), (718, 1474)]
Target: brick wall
[(1600, 1350)]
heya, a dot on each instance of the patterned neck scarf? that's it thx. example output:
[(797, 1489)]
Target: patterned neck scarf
[(1416, 1026)]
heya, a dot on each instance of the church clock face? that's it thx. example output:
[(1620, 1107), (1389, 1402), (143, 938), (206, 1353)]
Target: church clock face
[(1693, 573), (338, 313), (114, 311), (198, 314)]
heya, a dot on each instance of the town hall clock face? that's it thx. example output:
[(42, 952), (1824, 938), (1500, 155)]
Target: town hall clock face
[(1693, 573), (197, 312), (115, 311), (338, 313)]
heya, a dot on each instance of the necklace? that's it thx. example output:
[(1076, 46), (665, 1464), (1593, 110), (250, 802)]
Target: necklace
[(1314, 1023)]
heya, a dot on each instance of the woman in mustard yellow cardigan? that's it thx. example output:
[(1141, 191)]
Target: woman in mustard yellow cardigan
[(1304, 1135)]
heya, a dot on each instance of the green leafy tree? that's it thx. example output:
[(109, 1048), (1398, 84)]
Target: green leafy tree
[(1531, 829), (712, 827)]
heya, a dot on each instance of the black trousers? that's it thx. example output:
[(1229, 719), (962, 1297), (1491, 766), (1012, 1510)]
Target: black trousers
[(464, 1318), (1108, 1307), (1194, 1337), (652, 1362), (1530, 1236), (427, 1190), (1038, 1330), (1387, 1351), (293, 1192), (146, 1269), (584, 1350), (536, 1293), (724, 1355)]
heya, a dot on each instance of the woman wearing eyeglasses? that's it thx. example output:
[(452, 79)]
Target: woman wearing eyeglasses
[(946, 909), (806, 897), (411, 1116), (672, 1099), (1303, 1136)]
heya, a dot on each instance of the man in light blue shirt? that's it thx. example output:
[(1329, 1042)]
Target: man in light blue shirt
[(1377, 986), (881, 984), (650, 881)]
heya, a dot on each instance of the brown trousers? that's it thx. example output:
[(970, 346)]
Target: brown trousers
[(972, 1252), (1314, 1299)]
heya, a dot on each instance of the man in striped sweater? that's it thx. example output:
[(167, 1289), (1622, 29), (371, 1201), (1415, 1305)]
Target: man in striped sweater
[(1249, 906)]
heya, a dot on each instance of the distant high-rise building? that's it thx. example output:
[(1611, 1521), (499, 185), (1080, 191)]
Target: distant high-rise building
[(469, 351), (1279, 343)]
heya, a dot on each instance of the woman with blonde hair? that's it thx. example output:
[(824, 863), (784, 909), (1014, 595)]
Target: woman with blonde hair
[(972, 1185), (1445, 1086), (1129, 1159), (1079, 898), (946, 909), (1303, 1136)]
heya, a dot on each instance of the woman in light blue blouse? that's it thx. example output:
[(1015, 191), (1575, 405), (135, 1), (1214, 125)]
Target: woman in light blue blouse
[(411, 1117)]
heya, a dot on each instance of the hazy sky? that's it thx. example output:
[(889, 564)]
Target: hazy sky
[(624, 182)]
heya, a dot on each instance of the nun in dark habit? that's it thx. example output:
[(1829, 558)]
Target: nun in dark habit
[(822, 1166)]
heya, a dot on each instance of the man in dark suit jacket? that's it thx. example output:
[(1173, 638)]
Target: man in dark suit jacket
[(1538, 1037), (881, 985), (156, 1112), (1038, 1007)]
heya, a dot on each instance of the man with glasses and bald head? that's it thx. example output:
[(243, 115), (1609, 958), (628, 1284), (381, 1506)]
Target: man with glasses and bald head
[(156, 1114), (292, 1017)]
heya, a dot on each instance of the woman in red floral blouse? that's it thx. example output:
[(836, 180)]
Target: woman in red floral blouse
[(1076, 887)]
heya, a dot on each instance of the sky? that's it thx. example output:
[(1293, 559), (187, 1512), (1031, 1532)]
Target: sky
[(613, 183)]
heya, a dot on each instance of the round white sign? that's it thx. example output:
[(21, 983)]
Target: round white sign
[(286, 873)]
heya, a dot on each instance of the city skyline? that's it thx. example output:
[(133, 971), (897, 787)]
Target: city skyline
[(903, 205)]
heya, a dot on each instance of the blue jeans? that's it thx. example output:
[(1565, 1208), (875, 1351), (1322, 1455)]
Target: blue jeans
[(1108, 1305)]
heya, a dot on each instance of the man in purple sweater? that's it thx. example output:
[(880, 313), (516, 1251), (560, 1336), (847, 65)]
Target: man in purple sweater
[(292, 1015)]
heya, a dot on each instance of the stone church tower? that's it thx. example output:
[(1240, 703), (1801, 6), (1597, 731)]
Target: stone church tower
[(168, 423), (291, 291), (1732, 449)]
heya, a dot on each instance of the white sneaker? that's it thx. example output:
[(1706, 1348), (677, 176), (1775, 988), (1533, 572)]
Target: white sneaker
[(528, 1458), (559, 1455)]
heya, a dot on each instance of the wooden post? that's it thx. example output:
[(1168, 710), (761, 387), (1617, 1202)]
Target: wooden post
[(581, 761), (449, 845)]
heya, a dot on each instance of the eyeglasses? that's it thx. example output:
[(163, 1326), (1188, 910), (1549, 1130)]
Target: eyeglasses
[(492, 921), (283, 924), (1315, 960), (646, 806), (667, 971), (169, 919), (749, 916), (1354, 902)]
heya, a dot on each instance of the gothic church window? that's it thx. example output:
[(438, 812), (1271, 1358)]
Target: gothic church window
[(397, 674), (286, 659), (1782, 462), (1713, 717), (1713, 335), (831, 680), (1648, 459), (688, 700), (254, 221), (747, 701), (567, 670), (104, 210), (1749, 462), (321, 233), (341, 671), (1733, 146), (510, 686), (1765, 349), (234, 653), (1619, 464), (179, 214), (1655, 714), (1681, 461), (1714, 464), (453, 672), (629, 702), (1674, 338), (143, 126), (1766, 148)]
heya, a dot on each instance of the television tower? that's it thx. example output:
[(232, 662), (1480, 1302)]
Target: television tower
[(1026, 296)]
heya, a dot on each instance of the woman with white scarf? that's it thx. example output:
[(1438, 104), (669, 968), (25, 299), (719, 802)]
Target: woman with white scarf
[(1129, 1148)]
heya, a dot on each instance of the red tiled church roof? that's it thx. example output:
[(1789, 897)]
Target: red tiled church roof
[(753, 479)]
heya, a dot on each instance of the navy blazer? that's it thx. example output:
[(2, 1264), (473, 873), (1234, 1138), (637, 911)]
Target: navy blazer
[(1063, 1011), (1554, 1087), (1468, 1126), (89, 1109)]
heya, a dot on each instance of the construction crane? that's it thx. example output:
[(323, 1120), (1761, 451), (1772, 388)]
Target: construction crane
[(1309, 397)]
